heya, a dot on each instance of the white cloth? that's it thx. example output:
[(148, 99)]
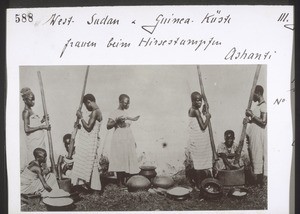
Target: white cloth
[(34, 139), (31, 184), (199, 146), (86, 160), (65, 162), (123, 155), (258, 142)]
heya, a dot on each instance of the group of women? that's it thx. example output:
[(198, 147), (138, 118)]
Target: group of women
[(123, 159)]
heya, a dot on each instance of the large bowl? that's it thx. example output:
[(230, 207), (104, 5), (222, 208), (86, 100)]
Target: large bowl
[(211, 188), (178, 193), (59, 204), (234, 177), (138, 183), (164, 182)]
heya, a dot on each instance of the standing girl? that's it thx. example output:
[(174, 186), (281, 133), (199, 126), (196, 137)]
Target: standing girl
[(33, 125), (198, 152), (123, 154), (257, 133)]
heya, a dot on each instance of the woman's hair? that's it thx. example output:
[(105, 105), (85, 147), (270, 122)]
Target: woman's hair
[(259, 89), (229, 132), (89, 97), (194, 95), (66, 137), (26, 92), (122, 97), (38, 152)]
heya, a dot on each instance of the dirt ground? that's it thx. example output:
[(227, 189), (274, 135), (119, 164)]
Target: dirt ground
[(115, 199)]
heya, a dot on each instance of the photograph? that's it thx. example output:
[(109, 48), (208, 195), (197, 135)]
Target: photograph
[(189, 137)]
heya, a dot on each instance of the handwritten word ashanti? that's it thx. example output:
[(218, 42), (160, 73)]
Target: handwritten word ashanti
[(235, 54)]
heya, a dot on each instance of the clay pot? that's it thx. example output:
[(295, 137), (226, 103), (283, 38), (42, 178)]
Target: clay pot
[(232, 177), (148, 171), (211, 188), (138, 183), (164, 182)]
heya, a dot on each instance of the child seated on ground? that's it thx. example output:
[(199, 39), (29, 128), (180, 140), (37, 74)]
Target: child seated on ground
[(37, 179), (64, 164), (227, 152)]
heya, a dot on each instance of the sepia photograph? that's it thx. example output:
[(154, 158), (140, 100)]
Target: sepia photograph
[(143, 137)]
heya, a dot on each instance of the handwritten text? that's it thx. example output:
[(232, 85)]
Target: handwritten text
[(78, 44), (59, 20), (235, 54), (162, 20)]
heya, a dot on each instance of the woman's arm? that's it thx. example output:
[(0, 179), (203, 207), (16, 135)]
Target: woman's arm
[(227, 164), (27, 127), (88, 126), (203, 125), (38, 171), (45, 169), (111, 124), (67, 166), (260, 121), (132, 118), (59, 168), (44, 118)]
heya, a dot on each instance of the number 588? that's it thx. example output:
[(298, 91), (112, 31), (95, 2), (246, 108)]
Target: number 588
[(24, 17)]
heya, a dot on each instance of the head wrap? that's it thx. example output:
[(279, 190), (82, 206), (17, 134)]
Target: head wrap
[(26, 92)]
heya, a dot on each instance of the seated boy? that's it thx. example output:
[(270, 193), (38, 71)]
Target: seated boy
[(64, 164), (36, 179), (226, 151)]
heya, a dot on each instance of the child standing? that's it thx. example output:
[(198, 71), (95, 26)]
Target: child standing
[(257, 132), (198, 152)]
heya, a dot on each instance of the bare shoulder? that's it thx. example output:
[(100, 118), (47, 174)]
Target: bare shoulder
[(35, 168), (25, 113), (97, 114), (193, 112), (98, 111)]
